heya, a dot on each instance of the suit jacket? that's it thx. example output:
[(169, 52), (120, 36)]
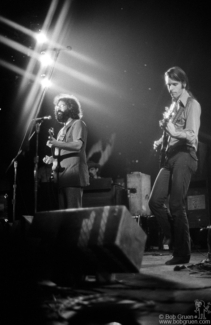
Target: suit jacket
[(72, 170)]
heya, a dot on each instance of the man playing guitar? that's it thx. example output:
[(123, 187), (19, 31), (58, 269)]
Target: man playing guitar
[(179, 162), (69, 152)]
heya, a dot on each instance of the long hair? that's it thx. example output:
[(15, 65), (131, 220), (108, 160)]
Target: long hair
[(178, 74), (73, 105)]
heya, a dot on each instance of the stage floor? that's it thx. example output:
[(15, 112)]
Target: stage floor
[(159, 294)]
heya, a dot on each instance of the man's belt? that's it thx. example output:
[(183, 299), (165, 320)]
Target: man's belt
[(175, 149)]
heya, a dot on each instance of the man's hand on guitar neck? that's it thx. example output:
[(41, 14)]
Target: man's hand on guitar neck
[(52, 142), (157, 143)]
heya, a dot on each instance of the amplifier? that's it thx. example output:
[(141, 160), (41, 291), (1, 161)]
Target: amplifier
[(103, 184), (139, 188), (198, 207), (102, 192)]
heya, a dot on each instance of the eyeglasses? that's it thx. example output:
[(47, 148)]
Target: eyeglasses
[(61, 106)]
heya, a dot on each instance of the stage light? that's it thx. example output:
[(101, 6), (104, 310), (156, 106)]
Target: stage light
[(45, 82), (45, 59), (41, 37)]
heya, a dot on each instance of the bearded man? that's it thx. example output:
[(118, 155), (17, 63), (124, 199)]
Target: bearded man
[(69, 152)]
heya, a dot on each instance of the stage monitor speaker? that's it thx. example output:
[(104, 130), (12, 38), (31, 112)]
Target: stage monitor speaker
[(100, 239)]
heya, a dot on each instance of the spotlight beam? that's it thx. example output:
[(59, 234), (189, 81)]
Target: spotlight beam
[(18, 47), (17, 70), (16, 26)]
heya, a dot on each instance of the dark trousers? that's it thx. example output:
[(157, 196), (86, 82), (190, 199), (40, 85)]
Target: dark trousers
[(70, 197), (172, 184)]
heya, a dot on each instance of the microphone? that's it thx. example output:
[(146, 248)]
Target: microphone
[(62, 48), (42, 118)]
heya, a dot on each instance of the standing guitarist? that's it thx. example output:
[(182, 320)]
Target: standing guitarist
[(69, 152), (179, 162)]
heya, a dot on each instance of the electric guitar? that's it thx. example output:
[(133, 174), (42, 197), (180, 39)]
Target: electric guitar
[(61, 137), (168, 116), (55, 160)]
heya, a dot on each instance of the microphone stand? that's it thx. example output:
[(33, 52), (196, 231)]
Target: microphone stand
[(14, 191), (15, 183), (14, 161), (36, 161)]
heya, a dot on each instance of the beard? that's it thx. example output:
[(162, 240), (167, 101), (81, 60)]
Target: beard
[(62, 117)]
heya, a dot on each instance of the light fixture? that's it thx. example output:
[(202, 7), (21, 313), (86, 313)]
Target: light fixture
[(45, 59), (41, 37), (45, 82)]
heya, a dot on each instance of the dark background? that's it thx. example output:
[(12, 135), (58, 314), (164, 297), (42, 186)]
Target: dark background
[(120, 51)]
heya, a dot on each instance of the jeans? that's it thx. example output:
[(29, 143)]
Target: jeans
[(172, 184)]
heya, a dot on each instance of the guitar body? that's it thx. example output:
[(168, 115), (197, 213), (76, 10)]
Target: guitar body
[(163, 148), (55, 152), (55, 164)]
